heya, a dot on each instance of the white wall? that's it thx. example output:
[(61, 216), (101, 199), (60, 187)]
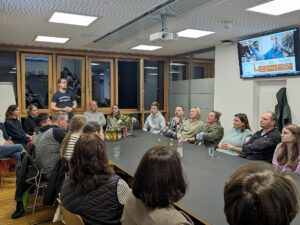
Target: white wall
[(234, 95)]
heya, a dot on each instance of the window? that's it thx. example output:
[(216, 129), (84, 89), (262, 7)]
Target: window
[(36, 75), (129, 84), (179, 70), (101, 82), (72, 69), (8, 70), (153, 83)]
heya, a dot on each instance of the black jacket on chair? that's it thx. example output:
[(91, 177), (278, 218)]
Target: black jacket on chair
[(97, 207)]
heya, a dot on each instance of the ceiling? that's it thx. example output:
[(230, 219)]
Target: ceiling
[(22, 20)]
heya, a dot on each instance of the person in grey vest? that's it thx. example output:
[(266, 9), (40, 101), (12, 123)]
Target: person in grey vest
[(48, 142)]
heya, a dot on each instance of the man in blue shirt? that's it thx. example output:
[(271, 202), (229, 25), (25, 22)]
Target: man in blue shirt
[(64, 100)]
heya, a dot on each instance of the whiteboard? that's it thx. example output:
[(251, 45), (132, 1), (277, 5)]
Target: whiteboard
[(7, 98)]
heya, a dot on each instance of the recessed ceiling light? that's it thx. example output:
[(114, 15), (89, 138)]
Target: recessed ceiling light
[(60, 40), (151, 67), (173, 71), (95, 64), (152, 74), (72, 19), (193, 33), (177, 64), (146, 47), (277, 7), (12, 72)]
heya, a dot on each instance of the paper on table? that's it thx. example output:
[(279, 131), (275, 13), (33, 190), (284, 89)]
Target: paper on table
[(229, 152)]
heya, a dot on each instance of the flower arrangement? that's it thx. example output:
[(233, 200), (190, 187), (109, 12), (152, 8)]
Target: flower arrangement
[(126, 120)]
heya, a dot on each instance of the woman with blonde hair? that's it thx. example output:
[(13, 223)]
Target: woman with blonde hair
[(287, 153), (76, 124), (191, 126)]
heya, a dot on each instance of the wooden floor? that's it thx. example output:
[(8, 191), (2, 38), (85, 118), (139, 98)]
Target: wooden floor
[(8, 206)]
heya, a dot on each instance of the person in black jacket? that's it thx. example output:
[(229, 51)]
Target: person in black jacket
[(92, 189), (262, 144), (14, 127), (31, 122)]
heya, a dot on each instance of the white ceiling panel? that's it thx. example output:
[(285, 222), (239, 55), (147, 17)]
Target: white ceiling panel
[(22, 20)]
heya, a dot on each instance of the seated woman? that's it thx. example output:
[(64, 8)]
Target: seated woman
[(158, 183), (10, 150), (213, 132), (92, 190), (190, 127), (75, 130), (287, 153), (31, 122), (112, 119), (14, 127), (258, 194), (236, 136)]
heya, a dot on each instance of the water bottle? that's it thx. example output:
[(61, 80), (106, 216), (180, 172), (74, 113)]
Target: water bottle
[(180, 148), (171, 142)]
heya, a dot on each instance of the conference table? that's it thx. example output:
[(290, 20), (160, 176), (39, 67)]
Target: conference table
[(205, 175)]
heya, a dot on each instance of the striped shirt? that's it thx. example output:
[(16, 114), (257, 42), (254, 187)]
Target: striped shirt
[(70, 147)]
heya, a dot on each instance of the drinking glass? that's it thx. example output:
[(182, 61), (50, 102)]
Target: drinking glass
[(180, 148), (211, 151)]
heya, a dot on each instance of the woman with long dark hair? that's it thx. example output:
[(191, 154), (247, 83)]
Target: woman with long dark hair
[(287, 153), (236, 136), (158, 183), (112, 119), (14, 127), (92, 189)]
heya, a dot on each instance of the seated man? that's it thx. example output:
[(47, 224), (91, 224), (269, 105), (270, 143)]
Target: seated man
[(262, 144), (48, 142), (174, 124), (93, 115), (155, 121)]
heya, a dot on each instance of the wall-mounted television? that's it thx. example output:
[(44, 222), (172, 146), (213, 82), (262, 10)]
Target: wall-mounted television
[(270, 55)]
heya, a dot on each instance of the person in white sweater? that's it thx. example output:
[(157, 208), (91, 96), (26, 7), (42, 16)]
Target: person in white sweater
[(93, 115)]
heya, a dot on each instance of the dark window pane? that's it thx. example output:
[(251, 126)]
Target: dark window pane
[(153, 83), (36, 81), (8, 69), (129, 84), (101, 83), (198, 72), (71, 71), (178, 70)]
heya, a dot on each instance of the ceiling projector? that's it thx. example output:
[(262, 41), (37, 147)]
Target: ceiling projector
[(163, 36)]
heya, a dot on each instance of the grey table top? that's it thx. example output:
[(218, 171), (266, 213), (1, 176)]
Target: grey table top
[(205, 176)]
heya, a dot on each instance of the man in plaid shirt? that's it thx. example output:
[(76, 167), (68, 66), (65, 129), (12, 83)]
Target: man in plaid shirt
[(174, 124)]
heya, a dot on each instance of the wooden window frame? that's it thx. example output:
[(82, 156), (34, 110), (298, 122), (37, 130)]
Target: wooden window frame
[(83, 78), (22, 103)]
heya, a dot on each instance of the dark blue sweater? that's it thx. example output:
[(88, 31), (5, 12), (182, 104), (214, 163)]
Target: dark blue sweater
[(15, 130)]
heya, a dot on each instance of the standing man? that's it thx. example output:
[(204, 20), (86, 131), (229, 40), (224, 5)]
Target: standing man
[(64, 100), (262, 144), (93, 115), (174, 124), (155, 121)]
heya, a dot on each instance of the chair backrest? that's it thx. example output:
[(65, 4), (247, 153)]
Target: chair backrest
[(71, 218)]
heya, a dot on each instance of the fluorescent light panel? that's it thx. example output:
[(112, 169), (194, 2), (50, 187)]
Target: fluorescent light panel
[(193, 33), (95, 64), (173, 71), (72, 19), (277, 7), (146, 47), (177, 64), (60, 40), (152, 74), (151, 67)]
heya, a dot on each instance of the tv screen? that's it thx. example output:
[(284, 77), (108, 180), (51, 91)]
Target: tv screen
[(269, 55)]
